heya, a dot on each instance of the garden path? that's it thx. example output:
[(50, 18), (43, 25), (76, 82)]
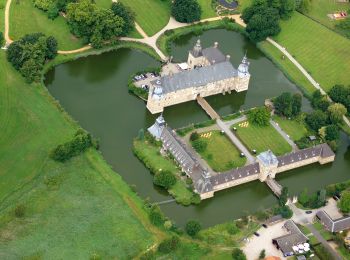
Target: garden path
[(284, 135)]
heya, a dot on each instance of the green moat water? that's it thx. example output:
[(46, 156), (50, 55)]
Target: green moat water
[(93, 91)]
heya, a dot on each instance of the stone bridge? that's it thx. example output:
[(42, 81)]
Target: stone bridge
[(274, 186)]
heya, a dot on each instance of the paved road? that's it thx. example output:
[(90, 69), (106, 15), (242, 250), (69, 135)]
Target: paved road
[(284, 135), (236, 120), (235, 140)]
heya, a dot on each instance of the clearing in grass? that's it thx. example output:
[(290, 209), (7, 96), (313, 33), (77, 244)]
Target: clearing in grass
[(151, 15), (207, 9), (220, 153), (262, 138), (292, 127), (321, 51)]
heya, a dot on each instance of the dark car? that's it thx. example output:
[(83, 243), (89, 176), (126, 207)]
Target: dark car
[(308, 212), (264, 225), (257, 234)]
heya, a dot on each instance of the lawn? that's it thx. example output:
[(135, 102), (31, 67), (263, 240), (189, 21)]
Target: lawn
[(242, 4), (151, 15), (324, 233), (72, 210), (293, 128), (150, 156), (287, 67), (220, 153), (321, 51), (207, 9), (262, 139), (25, 18), (321, 8)]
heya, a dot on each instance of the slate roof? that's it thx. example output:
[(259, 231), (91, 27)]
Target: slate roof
[(322, 150), (335, 225), (294, 238), (239, 173), (213, 55), (268, 158), (197, 77)]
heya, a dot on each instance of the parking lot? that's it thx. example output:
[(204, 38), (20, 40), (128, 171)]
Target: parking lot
[(144, 80)]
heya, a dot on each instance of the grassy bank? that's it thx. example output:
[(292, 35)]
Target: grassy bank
[(82, 206), (164, 41), (322, 52), (150, 155), (262, 138), (292, 127)]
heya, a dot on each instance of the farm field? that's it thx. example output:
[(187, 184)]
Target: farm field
[(25, 19), (326, 63), (220, 153), (293, 128), (262, 138), (79, 205), (151, 15)]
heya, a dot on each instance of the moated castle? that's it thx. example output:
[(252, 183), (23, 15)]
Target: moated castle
[(209, 72)]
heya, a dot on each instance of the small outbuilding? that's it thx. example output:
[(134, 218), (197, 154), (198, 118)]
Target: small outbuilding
[(333, 225)]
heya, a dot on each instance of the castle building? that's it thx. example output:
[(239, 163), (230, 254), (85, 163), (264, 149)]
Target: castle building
[(210, 73)]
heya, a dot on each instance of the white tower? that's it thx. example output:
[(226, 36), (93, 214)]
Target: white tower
[(243, 68)]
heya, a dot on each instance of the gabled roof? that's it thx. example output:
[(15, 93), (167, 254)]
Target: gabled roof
[(213, 55), (333, 225)]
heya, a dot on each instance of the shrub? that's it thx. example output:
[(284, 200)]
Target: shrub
[(194, 136), (164, 179), (238, 254), (259, 116), (20, 211), (169, 245), (200, 145), (156, 216), (344, 203), (233, 229), (186, 11), (193, 227)]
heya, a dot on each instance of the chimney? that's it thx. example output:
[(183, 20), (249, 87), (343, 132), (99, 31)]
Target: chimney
[(228, 57), (216, 44)]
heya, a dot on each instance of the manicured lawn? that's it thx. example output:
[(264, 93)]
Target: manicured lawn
[(321, 8), (262, 139), (293, 128), (72, 210), (242, 4), (25, 18), (287, 67), (220, 153), (207, 10), (150, 156), (324, 233), (320, 50), (151, 15)]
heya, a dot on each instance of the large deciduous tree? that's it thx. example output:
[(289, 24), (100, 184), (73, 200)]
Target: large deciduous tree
[(259, 116), (316, 119), (126, 14), (336, 112), (186, 11), (344, 203)]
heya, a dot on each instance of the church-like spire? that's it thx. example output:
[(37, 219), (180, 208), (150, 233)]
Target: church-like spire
[(244, 67), (197, 49)]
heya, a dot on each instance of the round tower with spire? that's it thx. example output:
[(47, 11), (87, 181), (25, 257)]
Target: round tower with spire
[(195, 56), (243, 74)]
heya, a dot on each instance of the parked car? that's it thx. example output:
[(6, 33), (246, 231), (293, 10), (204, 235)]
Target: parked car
[(264, 225), (257, 234), (308, 212)]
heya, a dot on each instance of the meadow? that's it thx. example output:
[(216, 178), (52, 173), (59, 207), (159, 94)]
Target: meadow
[(292, 127), (321, 51)]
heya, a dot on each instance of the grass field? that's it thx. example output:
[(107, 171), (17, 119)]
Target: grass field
[(220, 153), (293, 128), (207, 10), (262, 139), (151, 15), (321, 51), (25, 18), (242, 4), (321, 8), (72, 210), (150, 156)]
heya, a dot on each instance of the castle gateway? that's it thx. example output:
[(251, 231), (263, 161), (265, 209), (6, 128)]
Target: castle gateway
[(208, 72)]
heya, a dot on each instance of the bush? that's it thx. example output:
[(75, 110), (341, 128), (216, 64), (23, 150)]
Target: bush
[(80, 143), (169, 245), (20, 211), (164, 179), (233, 229), (194, 136), (238, 254), (186, 11), (156, 216), (344, 203), (2, 39), (287, 104), (200, 145), (259, 116), (284, 211), (193, 227), (316, 120)]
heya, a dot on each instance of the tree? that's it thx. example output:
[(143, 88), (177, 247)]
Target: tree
[(262, 254), (344, 203), (303, 197), (194, 136), (193, 227), (332, 133), (126, 14), (296, 104), (336, 112), (2, 39), (31, 70), (287, 8), (53, 12), (341, 94), (51, 44), (156, 216), (169, 245), (164, 179), (316, 119), (263, 24), (200, 145), (238, 254), (304, 6), (186, 11), (259, 116), (283, 197)]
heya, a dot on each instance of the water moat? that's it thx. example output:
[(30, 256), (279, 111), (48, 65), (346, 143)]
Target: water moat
[(93, 91)]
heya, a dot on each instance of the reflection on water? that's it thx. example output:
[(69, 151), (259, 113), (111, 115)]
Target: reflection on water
[(93, 91)]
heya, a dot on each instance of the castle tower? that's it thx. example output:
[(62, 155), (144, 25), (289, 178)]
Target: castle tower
[(195, 56), (156, 129), (243, 75), (155, 96), (268, 164), (197, 49)]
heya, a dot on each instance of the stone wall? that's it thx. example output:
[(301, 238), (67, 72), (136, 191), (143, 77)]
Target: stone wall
[(235, 182)]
